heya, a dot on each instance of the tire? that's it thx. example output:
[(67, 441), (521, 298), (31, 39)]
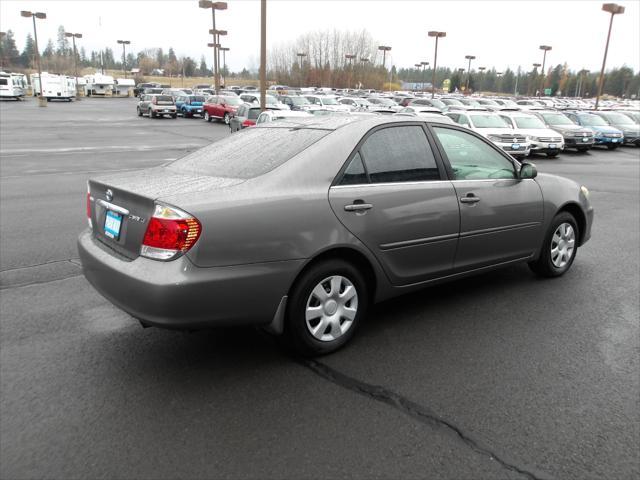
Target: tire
[(151, 114), (226, 119), (582, 149), (337, 276), (207, 117), (558, 237), (174, 115), (552, 154), (139, 111), (612, 146)]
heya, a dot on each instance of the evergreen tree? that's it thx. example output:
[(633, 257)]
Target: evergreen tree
[(204, 71), (160, 58), (62, 43), (48, 50), (29, 52), (9, 54)]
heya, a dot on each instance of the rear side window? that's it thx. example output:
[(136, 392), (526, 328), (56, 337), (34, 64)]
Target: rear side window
[(248, 154), (399, 154), (355, 173), (253, 113)]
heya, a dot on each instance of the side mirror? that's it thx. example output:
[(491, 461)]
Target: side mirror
[(528, 170)]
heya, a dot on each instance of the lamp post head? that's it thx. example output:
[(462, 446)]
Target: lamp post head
[(482, 68), (41, 15), (461, 70), (499, 74), (536, 65), (546, 48), (205, 4), (24, 13), (217, 32), (124, 42), (424, 63), (418, 65), (470, 57), (224, 49), (384, 47), (434, 33), (612, 8), (67, 34), (211, 45)]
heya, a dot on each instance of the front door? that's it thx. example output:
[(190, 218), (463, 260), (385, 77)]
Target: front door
[(395, 199), (500, 214)]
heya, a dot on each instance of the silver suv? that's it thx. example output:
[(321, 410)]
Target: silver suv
[(157, 105)]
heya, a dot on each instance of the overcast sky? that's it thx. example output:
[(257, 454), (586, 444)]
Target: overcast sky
[(498, 33)]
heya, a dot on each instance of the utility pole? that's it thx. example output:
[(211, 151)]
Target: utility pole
[(424, 64), (437, 35), (216, 42), (468, 57), (75, 58), (124, 58), (300, 55), (613, 9), (350, 57), (41, 100), (545, 48)]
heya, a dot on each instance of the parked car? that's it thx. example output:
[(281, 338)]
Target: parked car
[(496, 129), (174, 92), (421, 110), (270, 100), (429, 102), (542, 139), (326, 102), (245, 116), (629, 128), (633, 115), (384, 102), (190, 105), (295, 102), (156, 106), (603, 133), (221, 108), (140, 88), (356, 103), (152, 91), (300, 229), (274, 115), (574, 135)]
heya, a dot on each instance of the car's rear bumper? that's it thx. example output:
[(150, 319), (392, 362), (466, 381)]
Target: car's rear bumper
[(178, 294)]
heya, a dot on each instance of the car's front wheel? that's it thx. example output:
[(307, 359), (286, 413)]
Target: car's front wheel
[(612, 146), (139, 112), (559, 247), (226, 119), (206, 116), (325, 306)]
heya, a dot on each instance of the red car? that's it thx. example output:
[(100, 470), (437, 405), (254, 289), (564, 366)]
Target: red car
[(221, 107)]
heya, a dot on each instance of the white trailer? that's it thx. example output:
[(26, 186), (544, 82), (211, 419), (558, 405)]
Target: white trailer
[(98, 84), (12, 85), (56, 86), (124, 87)]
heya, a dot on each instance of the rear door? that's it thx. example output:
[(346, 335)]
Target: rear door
[(500, 214), (394, 197)]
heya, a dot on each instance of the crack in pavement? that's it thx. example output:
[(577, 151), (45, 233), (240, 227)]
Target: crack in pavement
[(406, 406), (50, 262), (30, 284)]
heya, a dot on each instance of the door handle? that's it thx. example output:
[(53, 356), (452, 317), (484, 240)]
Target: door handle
[(358, 207), (470, 198)]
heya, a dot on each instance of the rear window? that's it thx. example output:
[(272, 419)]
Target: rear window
[(250, 153), (253, 113), (197, 99), (164, 100)]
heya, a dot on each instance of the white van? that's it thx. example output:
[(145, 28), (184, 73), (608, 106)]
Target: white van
[(61, 87), (12, 85)]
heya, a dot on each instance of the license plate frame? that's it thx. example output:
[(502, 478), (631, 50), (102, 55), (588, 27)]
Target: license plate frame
[(585, 139), (515, 146), (112, 224), (553, 145)]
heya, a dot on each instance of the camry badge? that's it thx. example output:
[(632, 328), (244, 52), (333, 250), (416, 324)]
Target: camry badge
[(109, 195)]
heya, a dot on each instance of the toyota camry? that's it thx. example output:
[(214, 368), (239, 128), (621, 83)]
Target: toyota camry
[(301, 225)]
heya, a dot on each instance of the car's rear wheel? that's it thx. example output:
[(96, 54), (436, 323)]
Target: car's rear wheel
[(582, 149), (325, 306), (206, 116), (226, 119), (559, 247), (139, 112), (612, 146), (553, 154), (151, 114)]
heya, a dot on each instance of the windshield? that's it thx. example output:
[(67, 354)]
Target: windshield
[(329, 101), (451, 101), (488, 121), (556, 119), (249, 154), (363, 101), (592, 121), (528, 122), (232, 100), (618, 118), (299, 100)]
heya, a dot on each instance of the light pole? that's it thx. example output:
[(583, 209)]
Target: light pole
[(424, 64), (263, 54), (418, 66), (214, 6), (468, 57), (544, 48), (535, 76), (224, 51), (41, 100), (385, 49), (350, 57), (124, 57), (499, 86), (300, 55), (364, 62), (216, 49), (582, 74), (437, 35), (482, 69), (613, 9), (73, 37)]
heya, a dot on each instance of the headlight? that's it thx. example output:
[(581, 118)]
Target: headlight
[(534, 139), (585, 191), (495, 138)]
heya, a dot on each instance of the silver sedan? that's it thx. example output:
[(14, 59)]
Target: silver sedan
[(301, 225)]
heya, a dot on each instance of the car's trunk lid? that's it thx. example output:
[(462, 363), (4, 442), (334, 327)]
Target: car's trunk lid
[(122, 204)]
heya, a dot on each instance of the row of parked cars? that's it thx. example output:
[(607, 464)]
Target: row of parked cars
[(521, 126)]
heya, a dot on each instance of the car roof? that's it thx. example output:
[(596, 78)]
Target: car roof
[(335, 122)]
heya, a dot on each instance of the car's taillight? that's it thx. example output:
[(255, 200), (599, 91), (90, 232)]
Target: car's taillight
[(89, 206), (248, 123), (170, 233)]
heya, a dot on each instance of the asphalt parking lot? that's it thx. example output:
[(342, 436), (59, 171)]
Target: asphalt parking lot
[(499, 376)]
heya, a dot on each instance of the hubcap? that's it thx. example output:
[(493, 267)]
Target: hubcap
[(226, 119), (331, 308), (563, 244)]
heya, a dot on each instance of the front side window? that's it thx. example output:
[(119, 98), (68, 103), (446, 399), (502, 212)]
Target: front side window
[(399, 154), (471, 158)]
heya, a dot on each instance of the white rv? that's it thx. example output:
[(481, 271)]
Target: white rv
[(124, 87), (61, 87), (98, 84), (12, 85)]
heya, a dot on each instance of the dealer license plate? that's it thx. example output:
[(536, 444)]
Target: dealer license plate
[(515, 146), (112, 224), (552, 145), (585, 139)]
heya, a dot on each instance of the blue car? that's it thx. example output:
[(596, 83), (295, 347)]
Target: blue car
[(603, 133), (190, 105)]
